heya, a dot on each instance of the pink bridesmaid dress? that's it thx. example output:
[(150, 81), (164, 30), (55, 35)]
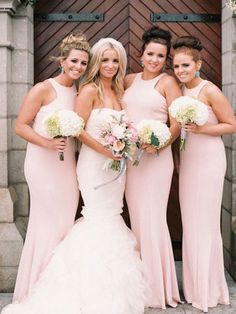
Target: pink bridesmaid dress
[(202, 170), (54, 196), (147, 192)]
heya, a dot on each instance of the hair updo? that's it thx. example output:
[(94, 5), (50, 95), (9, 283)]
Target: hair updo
[(158, 35), (189, 45), (73, 41)]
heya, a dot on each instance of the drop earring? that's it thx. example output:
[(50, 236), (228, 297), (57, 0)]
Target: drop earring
[(197, 73), (141, 64), (62, 70)]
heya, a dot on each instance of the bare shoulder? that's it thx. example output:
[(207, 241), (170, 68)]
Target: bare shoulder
[(168, 80), (129, 79), (89, 89), (210, 89)]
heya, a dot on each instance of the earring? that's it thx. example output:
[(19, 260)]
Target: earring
[(62, 70), (197, 73), (141, 64)]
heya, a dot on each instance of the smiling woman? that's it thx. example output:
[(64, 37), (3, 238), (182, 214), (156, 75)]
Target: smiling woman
[(52, 183)]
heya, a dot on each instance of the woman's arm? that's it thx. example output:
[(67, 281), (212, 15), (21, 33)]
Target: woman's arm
[(214, 97), (29, 109), (169, 88), (83, 107), (172, 91)]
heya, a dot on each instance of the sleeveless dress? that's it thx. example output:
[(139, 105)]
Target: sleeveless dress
[(147, 193), (96, 269), (201, 178), (54, 196)]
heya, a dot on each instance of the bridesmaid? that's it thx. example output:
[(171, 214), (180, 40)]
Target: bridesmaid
[(147, 96), (202, 170), (52, 183)]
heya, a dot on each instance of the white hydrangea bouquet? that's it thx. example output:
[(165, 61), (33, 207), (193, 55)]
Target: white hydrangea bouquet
[(63, 123), (186, 109), (153, 132)]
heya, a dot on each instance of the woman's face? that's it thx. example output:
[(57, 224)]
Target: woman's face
[(109, 64), (185, 67), (76, 63), (154, 57)]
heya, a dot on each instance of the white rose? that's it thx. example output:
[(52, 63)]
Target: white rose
[(118, 131)]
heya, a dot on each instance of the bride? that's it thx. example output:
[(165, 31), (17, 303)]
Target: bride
[(96, 268)]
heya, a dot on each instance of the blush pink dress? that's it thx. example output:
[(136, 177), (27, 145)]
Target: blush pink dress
[(202, 170), (147, 192), (54, 196)]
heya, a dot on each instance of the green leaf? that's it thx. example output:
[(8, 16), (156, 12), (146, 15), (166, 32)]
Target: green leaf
[(154, 140)]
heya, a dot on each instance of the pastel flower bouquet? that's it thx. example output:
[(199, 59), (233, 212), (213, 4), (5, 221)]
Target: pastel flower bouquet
[(120, 136), (63, 123), (185, 110), (153, 132)]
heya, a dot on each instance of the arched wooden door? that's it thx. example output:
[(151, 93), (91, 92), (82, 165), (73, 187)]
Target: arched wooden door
[(125, 20)]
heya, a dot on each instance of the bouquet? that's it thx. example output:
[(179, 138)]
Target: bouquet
[(186, 109), (152, 132), (120, 136), (63, 123)]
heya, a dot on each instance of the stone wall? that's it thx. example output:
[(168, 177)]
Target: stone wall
[(229, 89), (16, 68)]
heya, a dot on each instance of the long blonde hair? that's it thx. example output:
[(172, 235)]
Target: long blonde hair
[(95, 62)]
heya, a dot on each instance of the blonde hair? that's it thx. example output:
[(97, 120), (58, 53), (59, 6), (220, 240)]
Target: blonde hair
[(73, 41), (95, 62)]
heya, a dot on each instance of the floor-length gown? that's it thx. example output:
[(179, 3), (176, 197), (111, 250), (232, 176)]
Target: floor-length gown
[(96, 269), (54, 196), (201, 178), (147, 192)]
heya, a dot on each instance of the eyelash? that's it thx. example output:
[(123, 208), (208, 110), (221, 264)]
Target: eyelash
[(151, 54)]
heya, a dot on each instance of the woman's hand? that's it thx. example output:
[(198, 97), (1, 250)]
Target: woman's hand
[(150, 149), (108, 153), (58, 144), (192, 127)]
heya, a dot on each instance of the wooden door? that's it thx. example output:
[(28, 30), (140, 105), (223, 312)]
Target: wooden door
[(125, 20)]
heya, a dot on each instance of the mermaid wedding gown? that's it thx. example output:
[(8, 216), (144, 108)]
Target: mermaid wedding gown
[(96, 268)]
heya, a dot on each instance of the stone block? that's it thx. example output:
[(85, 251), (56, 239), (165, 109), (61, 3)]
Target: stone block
[(228, 152), (16, 142), (227, 195), (7, 199), (23, 33), (226, 14), (227, 68), (23, 10), (3, 169), (22, 66), (227, 36), (11, 244), (226, 230), (5, 28), (17, 94), (8, 278), (227, 139), (16, 166), (5, 65), (3, 141), (234, 199), (3, 99), (22, 204)]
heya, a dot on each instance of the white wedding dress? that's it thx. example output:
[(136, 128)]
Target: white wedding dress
[(96, 268)]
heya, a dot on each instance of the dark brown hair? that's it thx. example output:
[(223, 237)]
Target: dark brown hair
[(190, 45), (158, 35)]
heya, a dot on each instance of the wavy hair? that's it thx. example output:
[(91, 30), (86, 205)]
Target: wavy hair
[(95, 62)]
